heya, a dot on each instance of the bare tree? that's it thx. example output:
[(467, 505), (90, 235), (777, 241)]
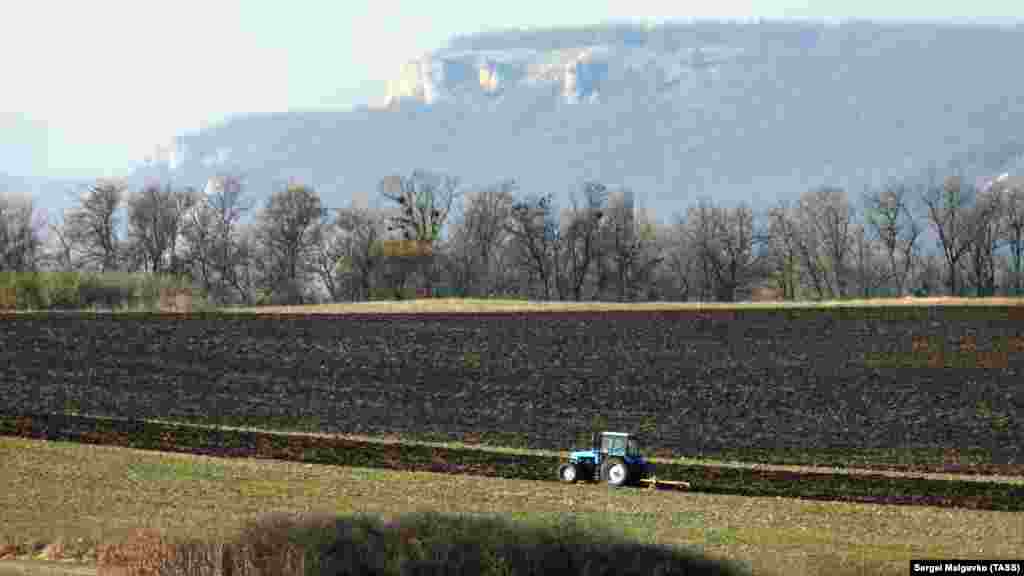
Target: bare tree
[(811, 243), (784, 249), (948, 207), (681, 259), (580, 240), (288, 232), (91, 227), (536, 238), (20, 237), (984, 222), (155, 218), (211, 233), (738, 265), (868, 264), (929, 273), (198, 235), (354, 255), (725, 240), (701, 229), (1013, 226), (460, 263), (479, 234), (826, 218), (505, 277), (250, 270), (888, 216), (634, 246), (61, 249), (424, 200), (328, 260), (1005, 274)]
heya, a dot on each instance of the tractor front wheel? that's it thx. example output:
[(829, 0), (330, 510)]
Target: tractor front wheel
[(568, 473), (615, 472)]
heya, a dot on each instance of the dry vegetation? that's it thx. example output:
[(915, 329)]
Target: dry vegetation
[(85, 496), (496, 305)]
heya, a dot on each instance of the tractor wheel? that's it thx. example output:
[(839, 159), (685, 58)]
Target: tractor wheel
[(615, 472), (568, 473)]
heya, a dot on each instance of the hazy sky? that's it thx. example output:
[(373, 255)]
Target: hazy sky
[(91, 87)]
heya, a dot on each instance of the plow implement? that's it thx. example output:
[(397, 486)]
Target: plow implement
[(654, 483)]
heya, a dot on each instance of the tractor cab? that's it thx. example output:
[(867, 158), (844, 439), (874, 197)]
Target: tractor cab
[(614, 457)]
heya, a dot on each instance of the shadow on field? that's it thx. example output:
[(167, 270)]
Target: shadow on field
[(281, 544)]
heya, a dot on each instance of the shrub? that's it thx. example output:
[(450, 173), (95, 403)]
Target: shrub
[(108, 290), (8, 291), (149, 290), (63, 290), (8, 298), (425, 543), (384, 293), (31, 290)]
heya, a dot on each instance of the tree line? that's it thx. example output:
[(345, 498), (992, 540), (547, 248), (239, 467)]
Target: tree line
[(503, 242)]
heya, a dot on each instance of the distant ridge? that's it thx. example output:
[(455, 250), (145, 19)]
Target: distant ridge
[(751, 112)]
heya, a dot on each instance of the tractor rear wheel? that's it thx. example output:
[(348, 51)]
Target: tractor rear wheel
[(615, 472), (568, 473)]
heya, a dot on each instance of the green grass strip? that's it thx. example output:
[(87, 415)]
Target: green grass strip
[(219, 442)]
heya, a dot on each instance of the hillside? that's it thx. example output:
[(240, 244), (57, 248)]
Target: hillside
[(750, 112)]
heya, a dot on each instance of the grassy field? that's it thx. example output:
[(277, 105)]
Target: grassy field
[(84, 495), (980, 492), (872, 460)]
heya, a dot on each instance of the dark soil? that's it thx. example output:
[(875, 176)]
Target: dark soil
[(937, 391)]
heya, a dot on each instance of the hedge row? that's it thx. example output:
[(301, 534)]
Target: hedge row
[(76, 291)]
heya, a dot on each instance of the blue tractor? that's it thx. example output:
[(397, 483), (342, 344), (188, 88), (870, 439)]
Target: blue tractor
[(613, 458)]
